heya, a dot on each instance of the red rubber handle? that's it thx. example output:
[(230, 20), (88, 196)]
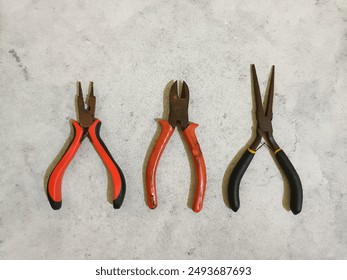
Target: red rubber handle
[(199, 163), (56, 177), (118, 180), (164, 137)]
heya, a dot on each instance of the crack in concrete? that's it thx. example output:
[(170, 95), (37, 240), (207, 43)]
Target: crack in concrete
[(20, 64)]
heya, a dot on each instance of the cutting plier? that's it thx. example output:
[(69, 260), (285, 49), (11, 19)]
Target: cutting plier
[(264, 130), (178, 114), (87, 126)]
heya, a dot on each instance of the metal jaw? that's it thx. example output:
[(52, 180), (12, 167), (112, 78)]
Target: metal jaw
[(86, 116), (264, 125), (179, 105)]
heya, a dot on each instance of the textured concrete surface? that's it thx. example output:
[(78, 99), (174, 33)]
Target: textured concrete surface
[(131, 50)]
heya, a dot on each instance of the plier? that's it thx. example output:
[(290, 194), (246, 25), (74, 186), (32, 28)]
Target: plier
[(89, 126), (264, 130), (178, 114)]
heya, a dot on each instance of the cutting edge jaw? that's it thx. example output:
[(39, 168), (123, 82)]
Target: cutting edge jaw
[(179, 102)]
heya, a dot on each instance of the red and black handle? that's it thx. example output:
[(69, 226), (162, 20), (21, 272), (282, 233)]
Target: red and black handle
[(118, 180), (199, 163), (56, 176), (54, 192)]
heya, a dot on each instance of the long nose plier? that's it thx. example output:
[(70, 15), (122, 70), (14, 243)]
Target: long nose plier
[(264, 130), (88, 126), (178, 114)]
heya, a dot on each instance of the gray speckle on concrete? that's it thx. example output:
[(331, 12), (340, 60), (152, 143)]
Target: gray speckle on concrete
[(131, 50)]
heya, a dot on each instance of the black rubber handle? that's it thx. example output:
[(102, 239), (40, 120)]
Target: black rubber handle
[(296, 194), (235, 179)]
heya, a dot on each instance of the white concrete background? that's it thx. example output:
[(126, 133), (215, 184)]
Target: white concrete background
[(131, 50)]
